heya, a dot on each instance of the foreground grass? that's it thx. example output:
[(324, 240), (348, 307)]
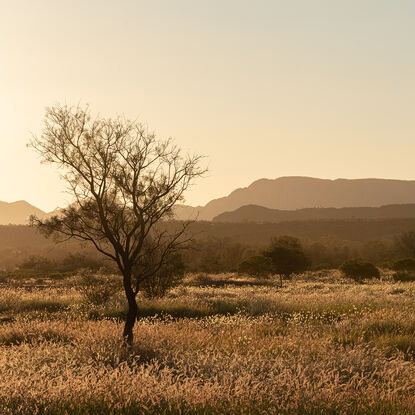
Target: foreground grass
[(313, 347)]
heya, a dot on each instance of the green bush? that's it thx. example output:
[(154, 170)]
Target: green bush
[(257, 266), (359, 270)]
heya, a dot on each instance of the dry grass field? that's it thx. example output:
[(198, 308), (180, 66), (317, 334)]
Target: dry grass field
[(319, 345)]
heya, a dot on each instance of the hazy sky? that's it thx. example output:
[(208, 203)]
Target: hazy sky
[(263, 88)]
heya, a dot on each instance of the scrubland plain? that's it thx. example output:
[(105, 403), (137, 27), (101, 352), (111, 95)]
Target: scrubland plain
[(215, 345)]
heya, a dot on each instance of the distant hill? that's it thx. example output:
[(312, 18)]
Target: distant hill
[(284, 193), (291, 193), (18, 213), (260, 214), (185, 212)]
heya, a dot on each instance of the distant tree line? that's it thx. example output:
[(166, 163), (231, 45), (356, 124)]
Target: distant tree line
[(349, 232), (207, 254)]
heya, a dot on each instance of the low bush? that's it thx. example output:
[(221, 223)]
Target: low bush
[(97, 289), (359, 270)]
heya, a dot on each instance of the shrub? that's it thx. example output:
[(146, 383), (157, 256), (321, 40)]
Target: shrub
[(169, 276), (404, 276), (407, 264), (358, 270), (257, 266), (97, 290)]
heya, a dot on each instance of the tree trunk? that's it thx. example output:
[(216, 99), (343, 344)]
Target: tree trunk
[(132, 310), (130, 321)]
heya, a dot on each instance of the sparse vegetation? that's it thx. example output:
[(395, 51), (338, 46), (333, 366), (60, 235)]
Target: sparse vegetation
[(319, 345), (97, 290), (220, 343)]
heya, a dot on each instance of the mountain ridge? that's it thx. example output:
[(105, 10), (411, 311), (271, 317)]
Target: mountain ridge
[(297, 192), (18, 212), (260, 214), (283, 193)]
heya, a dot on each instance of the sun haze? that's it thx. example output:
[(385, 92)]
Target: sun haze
[(264, 88)]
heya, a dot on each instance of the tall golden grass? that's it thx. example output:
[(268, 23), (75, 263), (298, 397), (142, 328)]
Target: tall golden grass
[(318, 347)]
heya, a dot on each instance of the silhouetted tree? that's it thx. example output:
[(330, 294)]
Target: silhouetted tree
[(287, 255), (124, 182)]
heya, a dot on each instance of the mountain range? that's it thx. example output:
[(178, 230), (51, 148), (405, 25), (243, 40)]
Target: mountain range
[(291, 193), (284, 198), (18, 212)]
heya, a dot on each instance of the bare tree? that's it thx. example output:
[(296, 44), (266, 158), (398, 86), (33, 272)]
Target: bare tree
[(125, 182)]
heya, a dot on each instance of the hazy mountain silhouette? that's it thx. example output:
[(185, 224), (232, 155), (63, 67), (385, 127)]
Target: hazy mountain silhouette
[(284, 193), (18, 212), (290, 193), (185, 212), (260, 214)]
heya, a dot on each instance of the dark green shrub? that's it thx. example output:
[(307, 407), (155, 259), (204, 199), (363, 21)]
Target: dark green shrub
[(169, 276), (407, 264), (257, 266), (359, 270)]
